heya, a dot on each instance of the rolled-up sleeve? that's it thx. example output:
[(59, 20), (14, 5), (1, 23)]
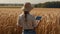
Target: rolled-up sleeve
[(19, 23)]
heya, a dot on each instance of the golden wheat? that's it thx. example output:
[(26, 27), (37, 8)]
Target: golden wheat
[(50, 23)]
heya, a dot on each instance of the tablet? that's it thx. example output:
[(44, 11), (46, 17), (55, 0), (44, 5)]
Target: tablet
[(38, 18)]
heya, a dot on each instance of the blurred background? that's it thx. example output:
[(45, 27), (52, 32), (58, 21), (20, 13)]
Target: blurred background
[(35, 3)]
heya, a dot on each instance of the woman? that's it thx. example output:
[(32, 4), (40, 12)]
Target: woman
[(26, 20)]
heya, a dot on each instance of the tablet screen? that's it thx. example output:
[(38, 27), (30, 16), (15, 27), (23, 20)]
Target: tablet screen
[(38, 18)]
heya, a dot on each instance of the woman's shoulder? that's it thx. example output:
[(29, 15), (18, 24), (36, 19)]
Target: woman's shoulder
[(32, 16)]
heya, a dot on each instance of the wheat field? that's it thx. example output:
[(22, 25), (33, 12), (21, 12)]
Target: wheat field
[(50, 22)]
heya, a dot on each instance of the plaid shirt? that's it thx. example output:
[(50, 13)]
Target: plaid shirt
[(30, 24)]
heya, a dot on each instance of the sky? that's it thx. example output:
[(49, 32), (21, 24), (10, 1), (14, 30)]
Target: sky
[(24, 1)]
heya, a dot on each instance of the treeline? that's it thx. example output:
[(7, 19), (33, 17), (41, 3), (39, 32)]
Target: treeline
[(55, 4)]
